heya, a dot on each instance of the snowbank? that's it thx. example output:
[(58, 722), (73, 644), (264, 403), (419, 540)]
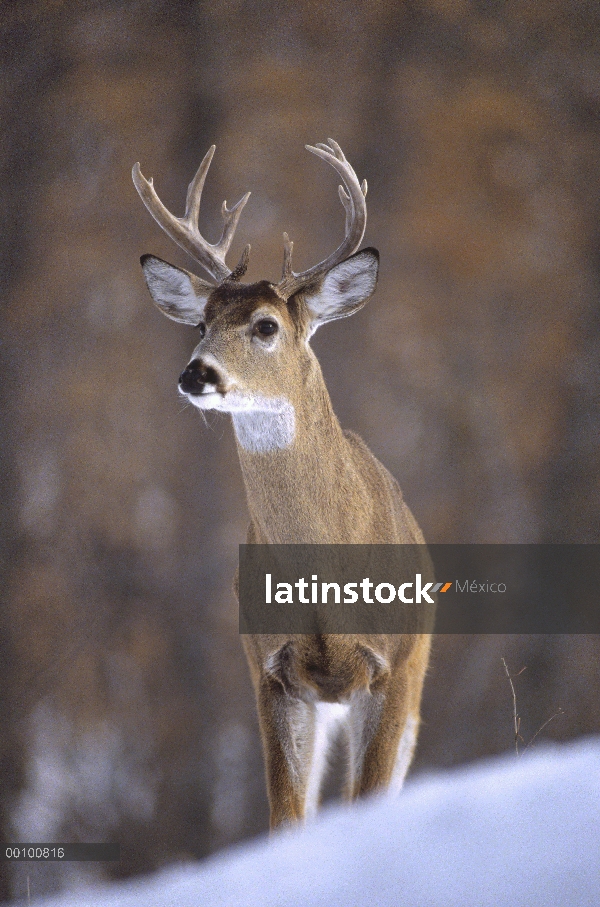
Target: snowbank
[(506, 833)]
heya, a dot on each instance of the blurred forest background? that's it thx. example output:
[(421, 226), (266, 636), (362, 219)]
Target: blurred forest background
[(126, 712)]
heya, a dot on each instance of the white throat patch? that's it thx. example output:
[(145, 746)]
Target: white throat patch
[(262, 430)]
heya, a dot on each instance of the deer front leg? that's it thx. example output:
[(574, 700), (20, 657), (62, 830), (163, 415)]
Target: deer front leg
[(382, 737), (287, 728)]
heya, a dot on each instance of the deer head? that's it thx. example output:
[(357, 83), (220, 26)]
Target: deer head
[(253, 347)]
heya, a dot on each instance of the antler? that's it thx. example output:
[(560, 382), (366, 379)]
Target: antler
[(184, 230), (355, 206)]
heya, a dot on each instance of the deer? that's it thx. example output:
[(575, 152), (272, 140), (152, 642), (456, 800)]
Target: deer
[(307, 482)]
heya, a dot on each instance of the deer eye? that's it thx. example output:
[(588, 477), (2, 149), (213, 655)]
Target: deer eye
[(202, 328), (266, 327)]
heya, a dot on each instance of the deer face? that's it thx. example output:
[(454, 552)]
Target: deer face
[(247, 356), (253, 353)]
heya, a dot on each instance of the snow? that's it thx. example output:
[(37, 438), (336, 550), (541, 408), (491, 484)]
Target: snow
[(510, 832)]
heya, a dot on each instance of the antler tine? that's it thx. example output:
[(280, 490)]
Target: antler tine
[(194, 192), (336, 149), (353, 200), (288, 248), (347, 203), (231, 217), (184, 230)]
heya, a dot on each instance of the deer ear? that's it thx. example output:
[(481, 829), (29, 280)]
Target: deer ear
[(177, 293), (345, 289)]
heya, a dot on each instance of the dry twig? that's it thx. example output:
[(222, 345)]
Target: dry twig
[(517, 717), (556, 714)]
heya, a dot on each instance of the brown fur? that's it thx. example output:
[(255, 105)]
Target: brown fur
[(310, 484), (328, 488)]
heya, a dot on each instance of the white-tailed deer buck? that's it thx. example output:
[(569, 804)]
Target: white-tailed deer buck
[(307, 481)]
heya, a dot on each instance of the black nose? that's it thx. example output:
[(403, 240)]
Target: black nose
[(195, 376)]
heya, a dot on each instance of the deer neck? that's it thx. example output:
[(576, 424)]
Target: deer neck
[(297, 467)]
